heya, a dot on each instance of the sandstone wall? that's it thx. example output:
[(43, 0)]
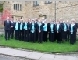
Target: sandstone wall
[(64, 9)]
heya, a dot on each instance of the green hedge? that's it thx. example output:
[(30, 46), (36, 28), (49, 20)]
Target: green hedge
[(1, 7)]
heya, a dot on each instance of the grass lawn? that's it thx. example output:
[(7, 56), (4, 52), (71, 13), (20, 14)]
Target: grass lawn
[(44, 47)]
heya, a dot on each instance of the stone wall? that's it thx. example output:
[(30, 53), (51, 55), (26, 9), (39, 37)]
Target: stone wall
[(67, 10), (64, 9)]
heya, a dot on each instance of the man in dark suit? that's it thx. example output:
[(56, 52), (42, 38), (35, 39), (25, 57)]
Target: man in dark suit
[(33, 31), (29, 33), (68, 32), (26, 32), (40, 31), (73, 31), (12, 28), (21, 36), (58, 32), (17, 27), (45, 31), (52, 31), (64, 31), (48, 30), (36, 23), (7, 25)]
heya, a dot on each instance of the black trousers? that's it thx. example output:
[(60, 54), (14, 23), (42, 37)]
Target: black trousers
[(73, 38), (12, 34), (29, 35), (21, 35), (52, 37), (45, 36), (40, 37), (16, 34), (33, 37), (64, 35), (55, 36), (49, 36), (68, 35), (59, 38), (7, 34), (36, 35), (26, 35)]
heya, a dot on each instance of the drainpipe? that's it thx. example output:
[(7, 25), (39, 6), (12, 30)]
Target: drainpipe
[(55, 10)]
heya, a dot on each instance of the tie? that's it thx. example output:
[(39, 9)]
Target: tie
[(65, 27), (71, 29), (52, 28)]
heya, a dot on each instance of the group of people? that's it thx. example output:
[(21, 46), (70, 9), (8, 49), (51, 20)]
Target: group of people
[(39, 30)]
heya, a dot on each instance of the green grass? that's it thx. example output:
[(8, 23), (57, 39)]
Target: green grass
[(44, 47)]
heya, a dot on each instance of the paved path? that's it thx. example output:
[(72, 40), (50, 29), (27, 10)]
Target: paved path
[(36, 55), (4, 57)]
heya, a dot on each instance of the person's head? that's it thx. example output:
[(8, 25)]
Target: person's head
[(12, 19), (33, 20), (73, 20), (57, 22), (7, 18), (21, 20)]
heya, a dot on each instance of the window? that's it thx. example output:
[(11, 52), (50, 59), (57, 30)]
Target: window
[(45, 16), (14, 6), (18, 7), (35, 3), (48, 2)]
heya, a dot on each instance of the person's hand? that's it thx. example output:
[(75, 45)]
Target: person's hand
[(57, 31), (11, 26), (39, 31)]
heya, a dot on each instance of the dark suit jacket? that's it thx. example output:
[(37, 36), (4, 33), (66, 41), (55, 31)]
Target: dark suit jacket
[(74, 28), (53, 28), (62, 26), (31, 26), (48, 27), (27, 25), (13, 24), (59, 30), (7, 25), (41, 27)]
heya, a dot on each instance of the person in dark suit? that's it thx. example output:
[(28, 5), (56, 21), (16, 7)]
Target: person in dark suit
[(48, 30), (16, 30), (33, 31), (26, 32), (52, 31), (36, 23), (64, 31), (7, 25), (45, 31), (29, 32), (12, 28), (58, 32), (21, 33), (40, 31), (73, 31), (68, 32)]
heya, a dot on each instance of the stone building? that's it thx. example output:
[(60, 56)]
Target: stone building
[(48, 9)]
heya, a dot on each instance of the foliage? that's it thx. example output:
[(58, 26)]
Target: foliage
[(1, 7)]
